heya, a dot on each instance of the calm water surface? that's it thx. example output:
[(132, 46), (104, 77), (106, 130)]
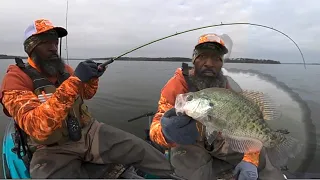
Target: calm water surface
[(129, 89)]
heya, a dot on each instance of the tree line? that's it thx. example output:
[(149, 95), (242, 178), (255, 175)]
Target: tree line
[(169, 59), (182, 59)]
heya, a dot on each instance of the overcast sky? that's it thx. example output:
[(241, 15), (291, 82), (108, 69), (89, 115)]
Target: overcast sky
[(103, 28)]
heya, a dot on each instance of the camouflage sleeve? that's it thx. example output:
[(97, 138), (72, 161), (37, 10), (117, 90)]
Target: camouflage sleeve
[(90, 88), (176, 85), (38, 119), (252, 158), (156, 134)]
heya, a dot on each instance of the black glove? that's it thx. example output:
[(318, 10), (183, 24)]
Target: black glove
[(86, 70), (179, 129), (101, 70)]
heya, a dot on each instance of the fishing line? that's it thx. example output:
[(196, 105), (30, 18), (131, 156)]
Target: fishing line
[(203, 27)]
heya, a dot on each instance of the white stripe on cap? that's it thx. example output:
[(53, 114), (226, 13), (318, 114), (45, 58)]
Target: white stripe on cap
[(30, 31)]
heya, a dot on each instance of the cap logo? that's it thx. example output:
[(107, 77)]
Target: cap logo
[(210, 38), (47, 23)]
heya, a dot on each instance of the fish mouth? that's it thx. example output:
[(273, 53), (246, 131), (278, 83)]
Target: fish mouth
[(185, 104)]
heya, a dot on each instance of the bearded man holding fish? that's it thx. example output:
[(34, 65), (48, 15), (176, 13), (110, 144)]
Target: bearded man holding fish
[(193, 154)]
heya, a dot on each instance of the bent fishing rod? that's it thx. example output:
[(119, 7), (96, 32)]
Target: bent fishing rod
[(103, 65)]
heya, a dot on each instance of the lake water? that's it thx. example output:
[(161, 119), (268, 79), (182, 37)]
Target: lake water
[(129, 89)]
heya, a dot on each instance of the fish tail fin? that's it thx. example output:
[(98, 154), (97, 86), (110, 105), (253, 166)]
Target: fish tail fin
[(289, 148)]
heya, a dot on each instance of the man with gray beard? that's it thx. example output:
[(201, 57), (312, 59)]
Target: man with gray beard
[(190, 154)]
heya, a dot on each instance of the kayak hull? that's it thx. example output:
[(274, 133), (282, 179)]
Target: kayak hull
[(13, 167)]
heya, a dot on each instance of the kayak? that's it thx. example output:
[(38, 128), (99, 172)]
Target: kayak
[(15, 167)]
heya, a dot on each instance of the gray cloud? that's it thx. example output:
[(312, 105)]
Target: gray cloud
[(102, 28)]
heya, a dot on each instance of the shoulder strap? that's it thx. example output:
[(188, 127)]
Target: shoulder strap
[(185, 72), (185, 69), (19, 62), (37, 79), (63, 76)]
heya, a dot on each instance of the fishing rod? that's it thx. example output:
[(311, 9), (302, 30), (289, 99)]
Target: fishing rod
[(67, 9), (60, 46), (141, 116), (103, 65)]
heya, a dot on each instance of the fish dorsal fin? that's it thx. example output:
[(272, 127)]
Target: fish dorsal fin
[(267, 106)]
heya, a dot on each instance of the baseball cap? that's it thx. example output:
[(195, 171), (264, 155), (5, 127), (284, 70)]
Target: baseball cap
[(213, 38), (43, 25)]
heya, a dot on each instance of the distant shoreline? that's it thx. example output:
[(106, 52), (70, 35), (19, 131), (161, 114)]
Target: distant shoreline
[(174, 59), (181, 59)]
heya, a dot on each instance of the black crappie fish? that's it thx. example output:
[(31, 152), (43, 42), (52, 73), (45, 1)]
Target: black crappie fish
[(240, 117)]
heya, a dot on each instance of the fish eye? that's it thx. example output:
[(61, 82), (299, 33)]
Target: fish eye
[(189, 97), (211, 104)]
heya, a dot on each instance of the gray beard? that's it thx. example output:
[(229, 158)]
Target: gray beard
[(50, 68), (203, 82)]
